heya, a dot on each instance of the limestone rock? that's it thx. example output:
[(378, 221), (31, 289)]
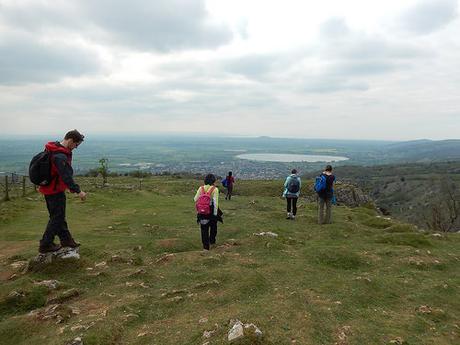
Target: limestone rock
[(19, 265), (266, 233), (424, 309), (102, 264), (65, 296), (253, 329), (58, 312), (76, 341), (165, 258), (50, 284), (240, 330), (237, 331)]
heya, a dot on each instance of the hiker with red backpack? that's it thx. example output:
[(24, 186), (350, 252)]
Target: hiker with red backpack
[(208, 212), (291, 193)]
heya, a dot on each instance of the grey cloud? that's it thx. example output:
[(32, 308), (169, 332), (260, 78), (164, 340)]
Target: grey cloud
[(24, 61), (160, 25), (363, 68), (430, 15), (39, 16), (252, 66), (344, 54), (338, 41), (330, 84)]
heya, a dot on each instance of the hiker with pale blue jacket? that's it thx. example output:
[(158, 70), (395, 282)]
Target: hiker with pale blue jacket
[(291, 193)]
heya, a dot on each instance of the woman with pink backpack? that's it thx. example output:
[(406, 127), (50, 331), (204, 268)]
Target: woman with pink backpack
[(208, 212)]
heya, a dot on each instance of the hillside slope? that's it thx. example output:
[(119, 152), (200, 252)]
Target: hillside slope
[(143, 278)]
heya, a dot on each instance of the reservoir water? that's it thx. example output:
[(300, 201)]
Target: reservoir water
[(288, 157)]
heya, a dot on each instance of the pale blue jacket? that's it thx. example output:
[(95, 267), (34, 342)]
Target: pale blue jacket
[(287, 194)]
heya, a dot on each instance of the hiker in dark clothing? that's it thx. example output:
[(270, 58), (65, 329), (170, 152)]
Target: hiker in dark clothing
[(62, 179), (230, 181), (291, 193), (208, 212), (325, 197)]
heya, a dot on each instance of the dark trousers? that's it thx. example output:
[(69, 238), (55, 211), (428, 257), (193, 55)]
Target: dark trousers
[(208, 233), (229, 192), (57, 224), (324, 203), (292, 204)]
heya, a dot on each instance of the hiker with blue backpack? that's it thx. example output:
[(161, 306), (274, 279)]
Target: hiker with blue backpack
[(324, 188), (208, 212), (291, 193)]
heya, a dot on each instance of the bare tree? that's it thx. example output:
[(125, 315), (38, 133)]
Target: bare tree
[(444, 213)]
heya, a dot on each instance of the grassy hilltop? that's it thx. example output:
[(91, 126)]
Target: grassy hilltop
[(143, 278)]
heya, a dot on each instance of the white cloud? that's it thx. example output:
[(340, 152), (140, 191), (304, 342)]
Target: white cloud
[(367, 69)]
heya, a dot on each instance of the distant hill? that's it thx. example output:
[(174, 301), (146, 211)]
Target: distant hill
[(424, 150)]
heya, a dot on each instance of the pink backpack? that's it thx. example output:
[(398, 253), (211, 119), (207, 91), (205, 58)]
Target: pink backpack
[(203, 203)]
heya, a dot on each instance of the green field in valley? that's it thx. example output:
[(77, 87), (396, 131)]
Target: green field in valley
[(143, 278)]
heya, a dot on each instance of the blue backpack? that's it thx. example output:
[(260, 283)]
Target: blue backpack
[(224, 182), (320, 183)]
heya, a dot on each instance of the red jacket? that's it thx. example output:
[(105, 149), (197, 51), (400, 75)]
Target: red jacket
[(230, 181), (57, 185)]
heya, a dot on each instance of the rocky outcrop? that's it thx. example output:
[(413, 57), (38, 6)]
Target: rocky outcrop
[(239, 330), (347, 195)]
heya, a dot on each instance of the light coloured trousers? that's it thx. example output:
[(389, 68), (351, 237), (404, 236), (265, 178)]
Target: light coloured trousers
[(321, 203)]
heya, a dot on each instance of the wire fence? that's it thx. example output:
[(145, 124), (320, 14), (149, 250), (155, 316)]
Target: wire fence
[(13, 185)]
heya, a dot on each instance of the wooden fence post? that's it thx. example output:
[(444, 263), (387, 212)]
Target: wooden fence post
[(7, 195)]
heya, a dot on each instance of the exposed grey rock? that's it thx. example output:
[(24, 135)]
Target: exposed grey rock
[(19, 265), (16, 294), (208, 334), (346, 194), (165, 258), (76, 341), (253, 329), (50, 284), (102, 264), (266, 233), (58, 312), (65, 296), (240, 330), (237, 331)]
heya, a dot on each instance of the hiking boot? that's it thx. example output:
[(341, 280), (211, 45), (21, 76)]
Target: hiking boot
[(288, 215), (293, 217), (48, 248), (70, 243)]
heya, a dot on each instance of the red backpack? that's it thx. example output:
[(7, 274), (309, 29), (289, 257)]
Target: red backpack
[(203, 203)]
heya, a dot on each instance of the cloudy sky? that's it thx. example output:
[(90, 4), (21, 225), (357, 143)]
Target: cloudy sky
[(355, 69)]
